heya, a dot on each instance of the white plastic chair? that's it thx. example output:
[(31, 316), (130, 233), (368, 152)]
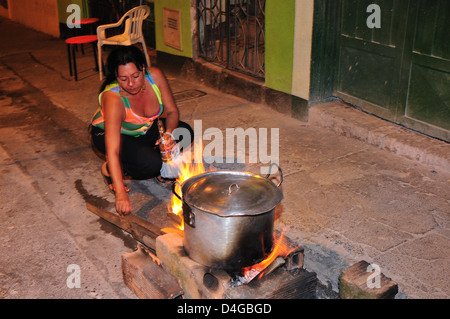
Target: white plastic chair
[(133, 20)]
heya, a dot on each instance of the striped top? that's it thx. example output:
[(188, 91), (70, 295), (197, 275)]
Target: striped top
[(133, 125)]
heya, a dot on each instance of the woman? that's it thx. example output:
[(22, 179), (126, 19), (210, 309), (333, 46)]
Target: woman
[(124, 127)]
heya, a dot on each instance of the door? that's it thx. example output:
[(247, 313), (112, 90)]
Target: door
[(425, 82), (399, 70)]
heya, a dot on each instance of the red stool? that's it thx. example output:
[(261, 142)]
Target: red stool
[(71, 43), (88, 21)]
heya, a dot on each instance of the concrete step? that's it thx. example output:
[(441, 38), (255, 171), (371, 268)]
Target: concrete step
[(346, 120)]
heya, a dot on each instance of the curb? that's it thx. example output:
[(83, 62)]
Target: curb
[(347, 121)]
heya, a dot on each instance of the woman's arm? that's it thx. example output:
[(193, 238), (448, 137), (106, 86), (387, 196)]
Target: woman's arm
[(114, 114), (170, 106)]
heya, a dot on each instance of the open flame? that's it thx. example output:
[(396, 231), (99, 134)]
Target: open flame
[(176, 207), (280, 249), (191, 166)]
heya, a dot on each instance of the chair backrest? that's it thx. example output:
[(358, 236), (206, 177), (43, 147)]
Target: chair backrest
[(134, 19)]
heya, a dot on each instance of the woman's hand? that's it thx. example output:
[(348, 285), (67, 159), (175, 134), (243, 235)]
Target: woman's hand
[(123, 204), (169, 141)]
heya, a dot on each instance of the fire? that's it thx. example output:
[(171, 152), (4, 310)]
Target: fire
[(280, 249), (176, 207), (191, 166)]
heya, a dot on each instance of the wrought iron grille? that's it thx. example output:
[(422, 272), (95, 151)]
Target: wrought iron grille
[(231, 34)]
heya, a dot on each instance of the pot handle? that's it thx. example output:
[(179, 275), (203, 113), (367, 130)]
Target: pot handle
[(230, 189), (173, 189), (188, 216), (281, 173)]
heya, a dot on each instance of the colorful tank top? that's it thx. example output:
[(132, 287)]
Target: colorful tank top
[(133, 125)]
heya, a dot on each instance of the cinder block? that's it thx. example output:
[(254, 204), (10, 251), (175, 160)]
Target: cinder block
[(195, 278), (362, 282)]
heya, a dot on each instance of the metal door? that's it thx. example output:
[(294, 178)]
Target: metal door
[(399, 70)]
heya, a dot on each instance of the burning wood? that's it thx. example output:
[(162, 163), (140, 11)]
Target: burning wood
[(275, 259), (202, 282), (281, 249)]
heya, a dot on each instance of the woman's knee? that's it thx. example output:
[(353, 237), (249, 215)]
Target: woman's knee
[(143, 167)]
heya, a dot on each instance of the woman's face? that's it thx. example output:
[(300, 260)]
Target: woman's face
[(130, 79)]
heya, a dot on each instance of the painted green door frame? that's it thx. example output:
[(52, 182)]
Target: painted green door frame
[(323, 50)]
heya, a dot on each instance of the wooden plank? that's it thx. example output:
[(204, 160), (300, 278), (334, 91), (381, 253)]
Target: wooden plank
[(356, 283), (293, 252), (281, 284), (141, 230)]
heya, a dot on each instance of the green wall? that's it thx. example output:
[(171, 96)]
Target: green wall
[(62, 9), (279, 37), (186, 40), (279, 46)]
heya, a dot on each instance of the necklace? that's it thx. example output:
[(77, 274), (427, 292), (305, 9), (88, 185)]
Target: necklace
[(143, 88)]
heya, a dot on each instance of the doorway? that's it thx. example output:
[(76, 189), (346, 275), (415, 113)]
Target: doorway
[(401, 70)]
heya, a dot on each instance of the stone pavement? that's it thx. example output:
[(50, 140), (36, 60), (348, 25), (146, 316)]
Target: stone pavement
[(354, 188)]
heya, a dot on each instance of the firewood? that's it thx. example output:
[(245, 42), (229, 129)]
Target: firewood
[(141, 230), (355, 282)]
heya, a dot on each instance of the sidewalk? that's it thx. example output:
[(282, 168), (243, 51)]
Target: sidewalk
[(345, 199)]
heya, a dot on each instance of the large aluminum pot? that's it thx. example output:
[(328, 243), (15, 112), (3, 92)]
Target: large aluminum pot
[(228, 218)]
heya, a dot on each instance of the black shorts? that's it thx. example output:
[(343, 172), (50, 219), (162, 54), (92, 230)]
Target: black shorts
[(140, 157)]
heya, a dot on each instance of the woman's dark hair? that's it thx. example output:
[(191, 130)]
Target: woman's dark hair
[(120, 56)]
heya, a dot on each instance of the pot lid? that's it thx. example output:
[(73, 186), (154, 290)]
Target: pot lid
[(229, 193)]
